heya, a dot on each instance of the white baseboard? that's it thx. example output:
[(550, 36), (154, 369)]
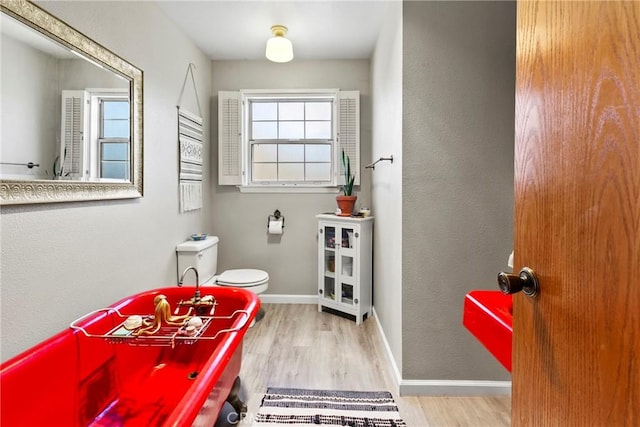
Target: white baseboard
[(453, 387), (439, 387), (392, 361), (288, 299)]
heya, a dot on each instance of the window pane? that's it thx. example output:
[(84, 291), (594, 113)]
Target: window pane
[(278, 130), (115, 129), (291, 130), (291, 152), (264, 111), (291, 171), (291, 110), (265, 172), (116, 170), (115, 151), (318, 130), (318, 153), (318, 172), (264, 130), (115, 109), (318, 111), (265, 153)]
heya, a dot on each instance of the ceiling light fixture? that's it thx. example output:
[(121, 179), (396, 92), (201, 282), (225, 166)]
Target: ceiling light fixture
[(279, 48)]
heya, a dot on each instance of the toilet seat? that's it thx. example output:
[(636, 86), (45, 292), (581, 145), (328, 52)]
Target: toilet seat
[(251, 279), (242, 277)]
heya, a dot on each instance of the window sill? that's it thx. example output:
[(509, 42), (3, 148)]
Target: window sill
[(286, 189)]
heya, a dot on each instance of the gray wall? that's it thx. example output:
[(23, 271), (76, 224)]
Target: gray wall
[(240, 219), (60, 261), (457, 203), (386, 179)]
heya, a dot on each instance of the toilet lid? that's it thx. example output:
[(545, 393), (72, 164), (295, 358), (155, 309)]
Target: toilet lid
[(243, 276)]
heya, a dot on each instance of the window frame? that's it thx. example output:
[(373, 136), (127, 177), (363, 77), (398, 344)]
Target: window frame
[(103, 141), (247, 143), (96, 96)]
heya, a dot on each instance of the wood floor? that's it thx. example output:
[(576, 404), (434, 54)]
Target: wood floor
[(296, 346)]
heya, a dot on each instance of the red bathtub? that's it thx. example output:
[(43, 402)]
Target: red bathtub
[(488, 315), (97, 374)]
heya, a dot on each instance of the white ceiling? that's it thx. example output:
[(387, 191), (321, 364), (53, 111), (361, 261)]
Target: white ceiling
[(239, 29)]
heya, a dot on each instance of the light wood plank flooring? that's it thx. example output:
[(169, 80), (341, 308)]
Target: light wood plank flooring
[(296, 346)]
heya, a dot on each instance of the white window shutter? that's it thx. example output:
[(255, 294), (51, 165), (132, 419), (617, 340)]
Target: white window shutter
[(349, 132), (229, 138), (73, 132)]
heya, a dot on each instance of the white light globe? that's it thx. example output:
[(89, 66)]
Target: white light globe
[(279, 49)]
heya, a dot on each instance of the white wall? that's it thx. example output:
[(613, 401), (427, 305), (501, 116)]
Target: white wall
[(457, 223), (80, 74), (240, 219), (386, 179), (60, 261), (30, 106)]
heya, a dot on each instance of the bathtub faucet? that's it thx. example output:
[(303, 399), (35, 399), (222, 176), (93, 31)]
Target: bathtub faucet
[(196, 297)]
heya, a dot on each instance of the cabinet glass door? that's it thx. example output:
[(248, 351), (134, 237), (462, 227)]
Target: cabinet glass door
[(347, 265), (346, 295), (329, 254)]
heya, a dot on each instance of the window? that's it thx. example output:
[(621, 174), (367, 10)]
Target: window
[(95, 129), (283, 140), (113, 140), (290, 140)]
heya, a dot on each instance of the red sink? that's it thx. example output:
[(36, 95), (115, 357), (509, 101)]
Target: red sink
[(488, 315)]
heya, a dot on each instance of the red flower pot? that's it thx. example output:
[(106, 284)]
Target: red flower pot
[(346, 204)]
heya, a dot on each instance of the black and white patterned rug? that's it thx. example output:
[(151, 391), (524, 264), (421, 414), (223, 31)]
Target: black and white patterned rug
[(300, 407)]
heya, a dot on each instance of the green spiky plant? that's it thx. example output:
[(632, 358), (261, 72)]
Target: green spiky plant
[(347, 188), (60, 163)]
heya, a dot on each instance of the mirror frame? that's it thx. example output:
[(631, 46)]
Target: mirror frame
[(15, 192)]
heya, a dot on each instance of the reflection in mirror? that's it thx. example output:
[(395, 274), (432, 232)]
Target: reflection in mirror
[(59, 111), (71, 117)]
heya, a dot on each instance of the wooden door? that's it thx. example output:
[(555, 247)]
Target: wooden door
[(576, 358)]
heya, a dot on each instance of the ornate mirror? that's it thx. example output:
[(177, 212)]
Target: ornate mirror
[(71, 117)]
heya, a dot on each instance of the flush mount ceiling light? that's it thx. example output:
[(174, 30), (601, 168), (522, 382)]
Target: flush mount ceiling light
[(279, 48)]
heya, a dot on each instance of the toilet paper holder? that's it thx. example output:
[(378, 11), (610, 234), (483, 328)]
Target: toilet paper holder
[(277, 216)]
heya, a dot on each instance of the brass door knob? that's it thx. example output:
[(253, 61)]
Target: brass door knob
[(526, 281)]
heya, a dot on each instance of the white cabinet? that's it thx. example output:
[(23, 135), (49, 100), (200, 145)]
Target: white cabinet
[(345, 264)]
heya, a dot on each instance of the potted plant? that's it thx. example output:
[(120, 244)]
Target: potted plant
[(59, 173), (347, 201)]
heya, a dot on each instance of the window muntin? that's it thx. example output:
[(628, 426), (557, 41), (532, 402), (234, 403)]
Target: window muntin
[(291, 140)]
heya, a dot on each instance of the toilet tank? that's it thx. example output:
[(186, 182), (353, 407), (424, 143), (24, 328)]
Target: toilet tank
[(201, 254)]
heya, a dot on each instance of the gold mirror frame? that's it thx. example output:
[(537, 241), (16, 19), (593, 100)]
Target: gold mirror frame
[(15, 192)]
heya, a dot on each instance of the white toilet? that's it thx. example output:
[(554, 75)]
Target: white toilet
[(203, 255)]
